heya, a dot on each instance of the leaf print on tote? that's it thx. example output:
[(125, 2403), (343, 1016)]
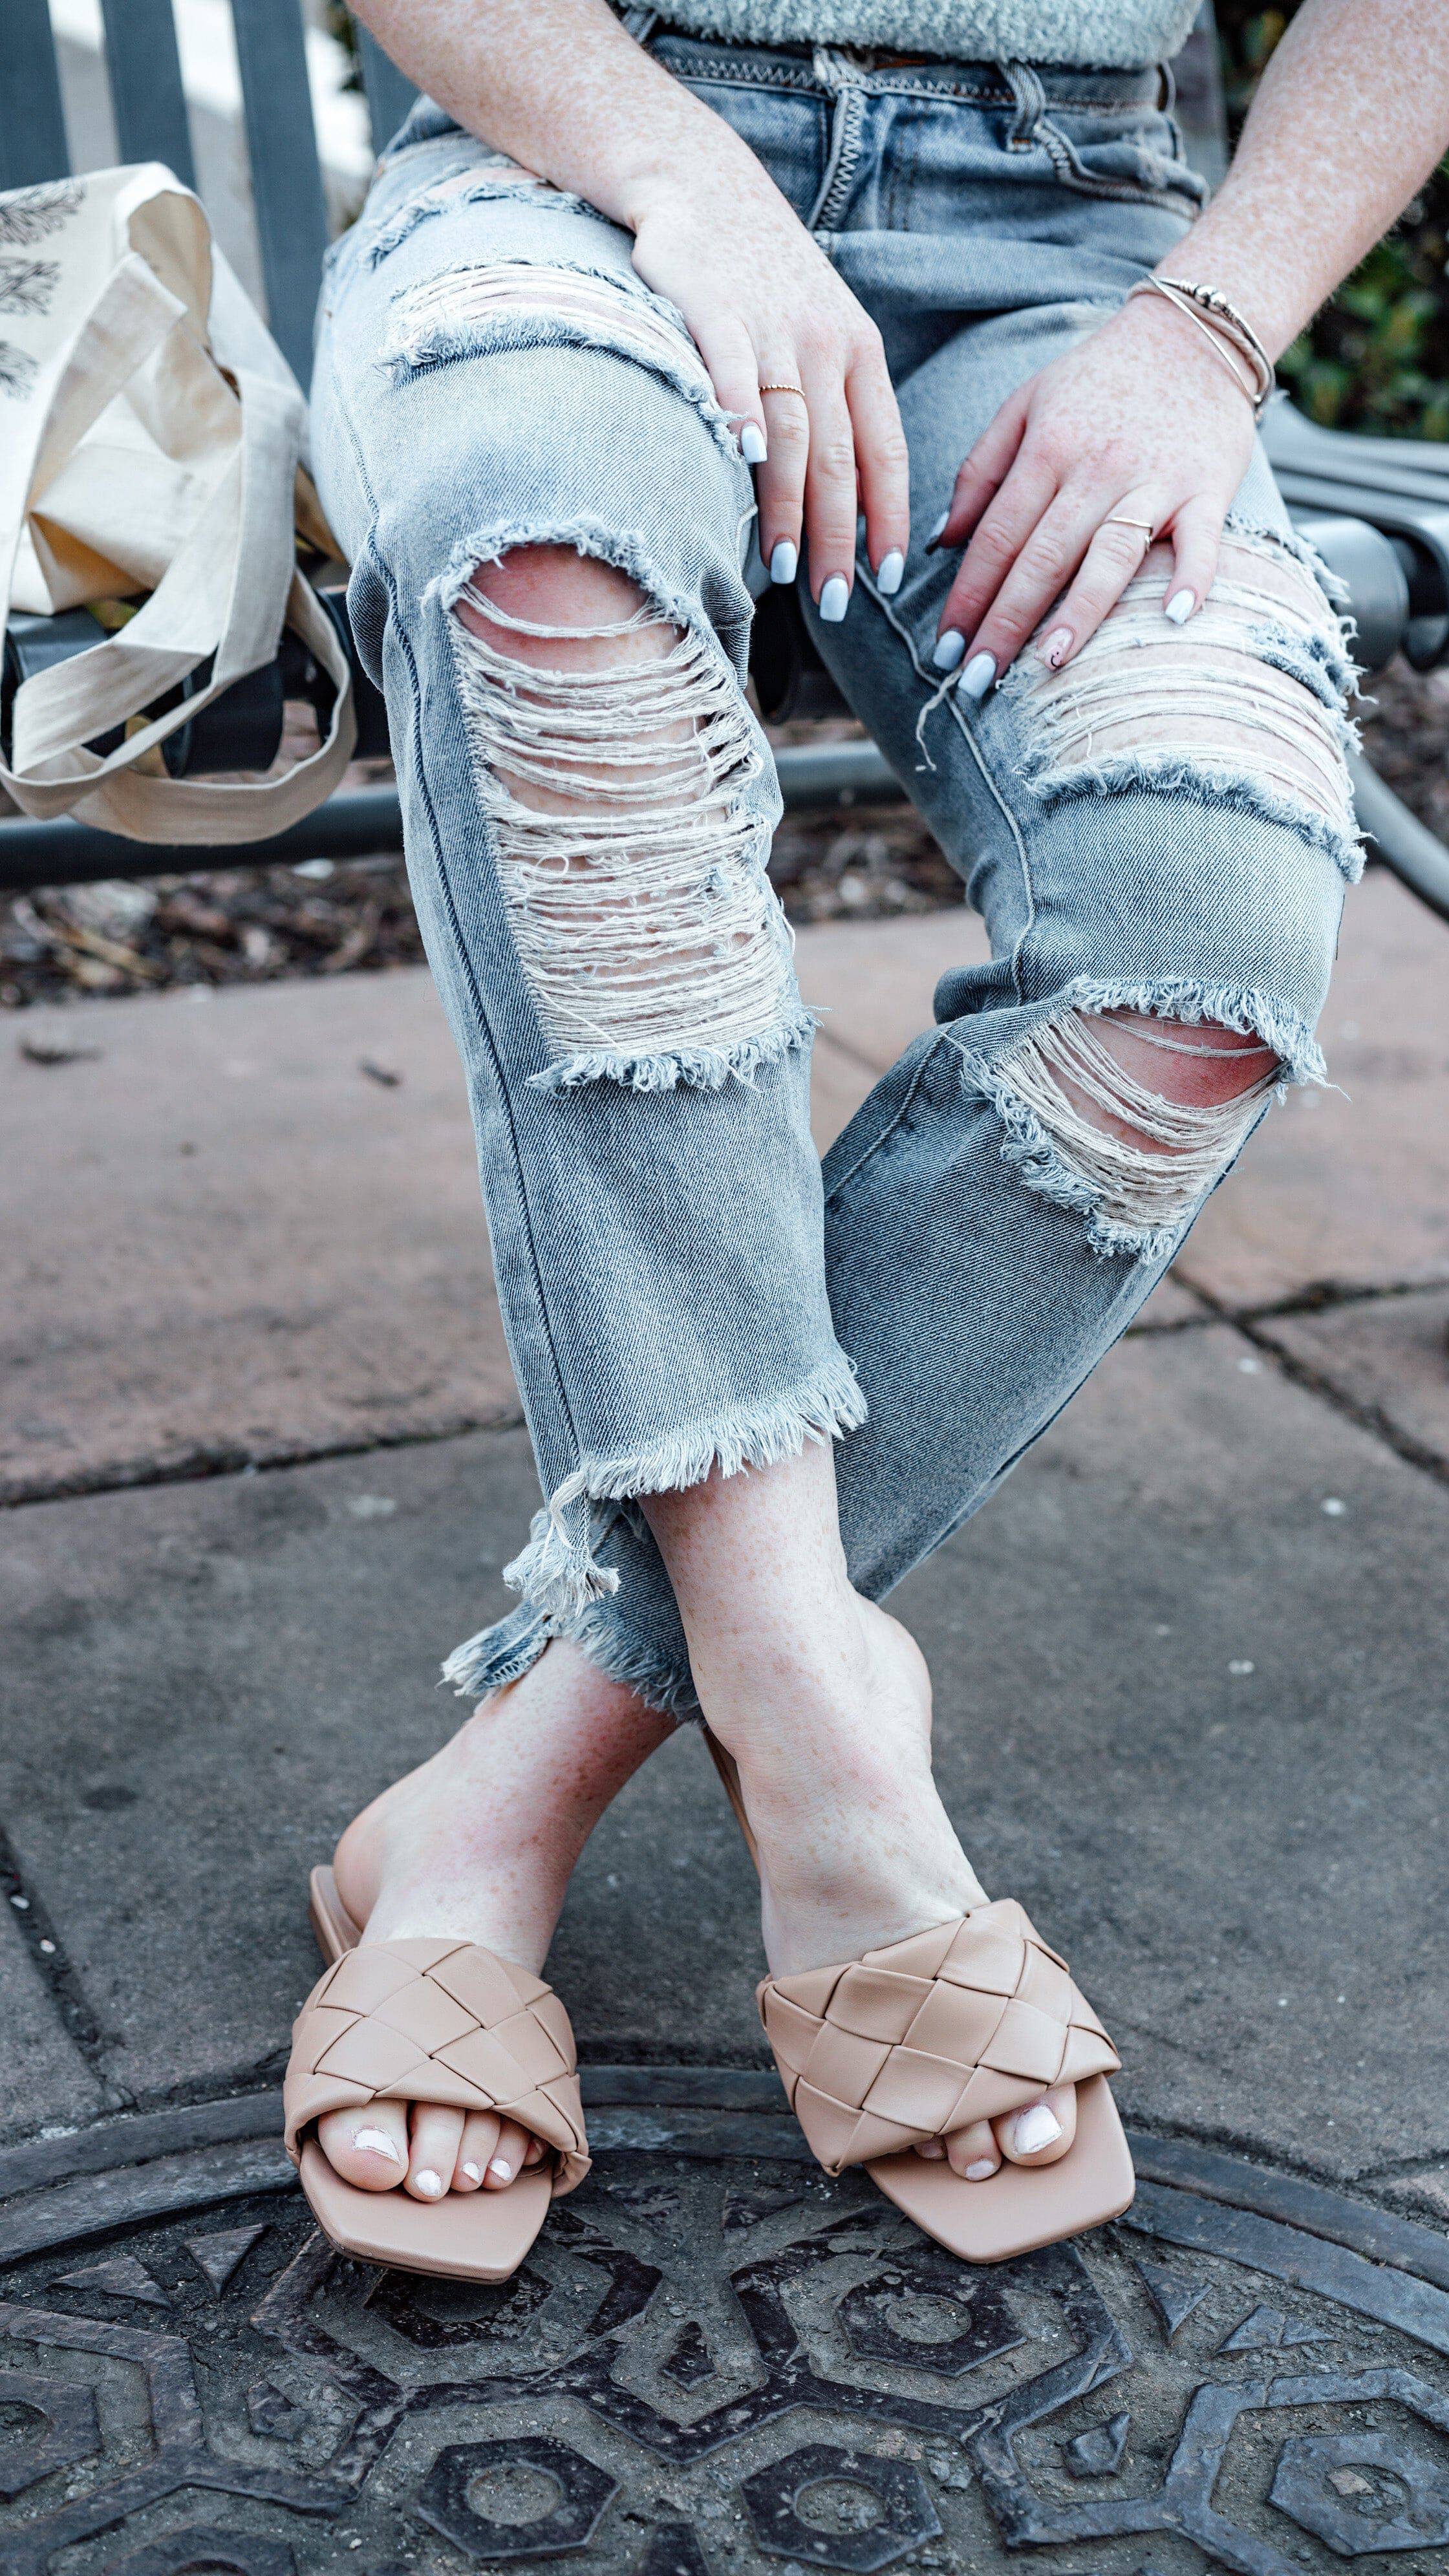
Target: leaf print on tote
[(17, 371), (28, 214), (27, 285)]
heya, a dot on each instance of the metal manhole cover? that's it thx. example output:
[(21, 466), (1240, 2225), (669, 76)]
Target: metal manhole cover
[(720, 2364)]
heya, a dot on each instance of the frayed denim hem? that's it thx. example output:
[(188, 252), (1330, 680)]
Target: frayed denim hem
[(512, 1646), (559, 1574)]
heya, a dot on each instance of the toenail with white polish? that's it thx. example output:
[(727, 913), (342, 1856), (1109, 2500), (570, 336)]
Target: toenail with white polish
[(473, 2172), (376, 2142), (981, 2170), (1038, 2127), (502, 2170), (429, 2182)]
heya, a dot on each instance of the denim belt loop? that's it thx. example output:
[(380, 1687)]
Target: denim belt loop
[(841, 77), (1030, 98)]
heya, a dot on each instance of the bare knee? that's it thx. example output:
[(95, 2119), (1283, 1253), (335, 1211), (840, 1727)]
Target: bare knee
[(589, 611), (1145, 1112)]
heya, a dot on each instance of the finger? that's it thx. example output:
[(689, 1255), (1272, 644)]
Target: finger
[(1115, 556), (1044, 565), (1041, 2132), (1197, 536), (480, 2137), (1020, 505), (973, 2151), (507, 2157), (984, 471), (830, 494), (780, 483), (728, 353), (882, 465), (434, 2151)]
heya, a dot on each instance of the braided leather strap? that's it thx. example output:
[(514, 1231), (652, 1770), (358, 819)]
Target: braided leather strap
[(438, 2021), (956, 2024)]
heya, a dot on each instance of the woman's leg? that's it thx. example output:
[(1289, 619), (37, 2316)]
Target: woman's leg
[(546, 517)]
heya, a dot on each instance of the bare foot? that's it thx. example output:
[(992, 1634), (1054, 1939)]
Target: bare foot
[(479, 1844), (856, 1849)]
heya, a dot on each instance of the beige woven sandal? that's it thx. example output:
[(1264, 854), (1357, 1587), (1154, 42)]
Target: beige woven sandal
[(969, 2019), (431, 2021)]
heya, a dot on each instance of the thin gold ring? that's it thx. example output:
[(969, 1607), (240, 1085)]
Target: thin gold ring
[(1124, 519), (784, 389)]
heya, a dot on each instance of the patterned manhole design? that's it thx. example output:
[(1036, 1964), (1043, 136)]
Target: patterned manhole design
[(723, 2366)]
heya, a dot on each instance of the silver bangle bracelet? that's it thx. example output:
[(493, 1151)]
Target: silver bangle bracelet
[(1225, 330)]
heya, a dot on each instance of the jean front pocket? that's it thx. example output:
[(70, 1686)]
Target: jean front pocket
[(1098, 155)]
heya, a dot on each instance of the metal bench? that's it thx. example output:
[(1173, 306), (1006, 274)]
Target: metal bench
[(1378, 508)]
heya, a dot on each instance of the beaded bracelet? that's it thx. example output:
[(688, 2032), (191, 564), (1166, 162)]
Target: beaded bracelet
[(1225, 331)]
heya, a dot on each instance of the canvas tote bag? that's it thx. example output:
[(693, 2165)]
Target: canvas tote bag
[(150, 435)]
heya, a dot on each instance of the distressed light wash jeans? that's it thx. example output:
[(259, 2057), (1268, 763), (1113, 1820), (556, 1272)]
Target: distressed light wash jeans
[(1163, 826)]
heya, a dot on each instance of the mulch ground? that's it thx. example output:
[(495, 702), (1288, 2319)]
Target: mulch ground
[(324, 917)]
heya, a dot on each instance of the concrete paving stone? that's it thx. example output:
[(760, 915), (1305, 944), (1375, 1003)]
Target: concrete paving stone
[(1224, 1853), (1352, 1190), (1389, 1354), (203, 1682), (875, 979), (1197, 1724), (44, 2080), (227, 1241)]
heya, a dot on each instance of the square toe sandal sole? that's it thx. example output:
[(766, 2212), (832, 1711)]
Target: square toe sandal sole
[(468, 2236), (1021, 2206)]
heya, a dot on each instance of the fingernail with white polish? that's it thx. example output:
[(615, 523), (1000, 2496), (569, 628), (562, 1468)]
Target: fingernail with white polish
[(835, 599), (936, 531), (429, 2183), (977, 677), (1038, 2127), (752, 443), (376, 2142), (949, 649), (473, 2172), (1180, 607), (784, 561), (501, 2169), (1054, 648), (892, 573), (981, 2170)]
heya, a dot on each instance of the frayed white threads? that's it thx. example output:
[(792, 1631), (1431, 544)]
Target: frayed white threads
[(652, 941), (1253, 679), (1133, 1185)]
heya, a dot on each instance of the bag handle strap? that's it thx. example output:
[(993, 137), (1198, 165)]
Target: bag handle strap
[(227, 590)]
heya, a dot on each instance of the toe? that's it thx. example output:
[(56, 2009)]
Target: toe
[(973, 2152), (933, 2149), (368, 2147), (1041, 2132), (433, 2152), (507, 2156), (480, 2137)]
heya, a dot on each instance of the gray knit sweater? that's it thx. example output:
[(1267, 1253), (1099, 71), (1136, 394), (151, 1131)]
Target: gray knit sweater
[(1121, 33)]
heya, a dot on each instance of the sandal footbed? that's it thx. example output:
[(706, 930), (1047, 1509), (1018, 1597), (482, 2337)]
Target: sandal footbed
[(467, 2236), (1021, 2206)]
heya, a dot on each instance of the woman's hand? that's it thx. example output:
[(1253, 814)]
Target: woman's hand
[(766, 308), (1139, 422)]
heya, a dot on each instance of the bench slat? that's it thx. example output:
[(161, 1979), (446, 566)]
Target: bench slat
[(143, 67), (286, 180), (33, 145), (390, 93)]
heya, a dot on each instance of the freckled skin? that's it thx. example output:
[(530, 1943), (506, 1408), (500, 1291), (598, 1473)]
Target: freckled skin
[(821, 1697)]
